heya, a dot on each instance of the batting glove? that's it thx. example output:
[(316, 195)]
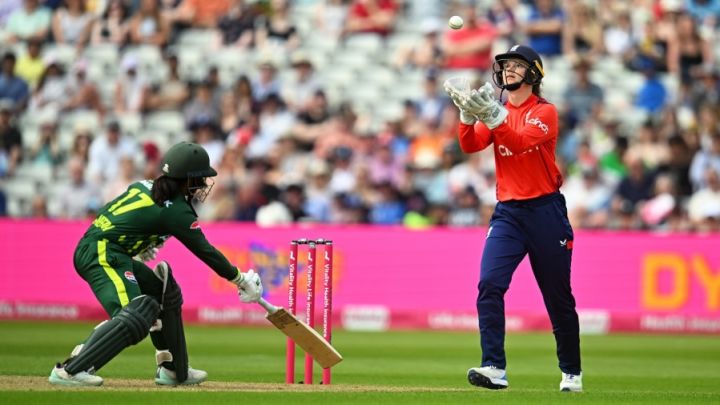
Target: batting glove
[(249, 285), (148, 254), (489, 110)]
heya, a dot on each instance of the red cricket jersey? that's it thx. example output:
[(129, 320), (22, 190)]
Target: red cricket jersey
[(524, 149)]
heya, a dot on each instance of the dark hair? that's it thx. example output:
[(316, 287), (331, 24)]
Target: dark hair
[(166, 188), (537, 90)]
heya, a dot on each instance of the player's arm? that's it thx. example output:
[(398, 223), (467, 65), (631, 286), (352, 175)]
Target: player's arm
[(185, 227), (474, 138), (541, 126)]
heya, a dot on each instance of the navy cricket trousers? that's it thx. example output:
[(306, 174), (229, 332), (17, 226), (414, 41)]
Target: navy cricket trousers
[(540, 228)]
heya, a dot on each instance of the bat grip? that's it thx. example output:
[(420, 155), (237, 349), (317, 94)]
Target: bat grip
[(268, 306)]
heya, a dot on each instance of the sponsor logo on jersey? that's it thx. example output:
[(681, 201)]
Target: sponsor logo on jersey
[(130, 276), (195, 225), (537, 122)]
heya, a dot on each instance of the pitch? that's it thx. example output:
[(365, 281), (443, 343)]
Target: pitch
[(247, 364)]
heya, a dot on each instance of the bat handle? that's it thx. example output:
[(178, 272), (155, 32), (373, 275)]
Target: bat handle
[(268, 306)]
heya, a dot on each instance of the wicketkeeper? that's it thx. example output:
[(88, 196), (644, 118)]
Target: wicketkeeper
[(530, 217), (140, 300)]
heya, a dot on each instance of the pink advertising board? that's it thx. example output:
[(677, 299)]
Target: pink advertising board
[(388, 277)]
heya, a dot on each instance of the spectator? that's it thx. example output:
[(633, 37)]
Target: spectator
[(273, 212), (72, 24), (78, 199), (704, 205), (11, 86), (470, 47), (385, 167), (582, 34), (432, 103), (10, 140), (465, 212), (130, 87), (651, 96), (658, 209), (706, 158), (171, 93), (149, 25), (688, 52), (634, 189), (502, 15), (389, 209), (371, 16), (82, 140), (275, 121), (51, 90), (649, 50), (649, 148), (278, 30), (242, 94), (329, 17), (312, 122), (205, 132), (106, 152), (31, 66), (267, 81), (237, 26), (202, 105), (47, 150), (317, 192), (588, 198), (582, 96), (39, 207), (126, 176), (112, 26), (618, 36), (298, 92), (294, 199), (32, 21), (81, 93), (544, 27), (206, 13), (424, 54)]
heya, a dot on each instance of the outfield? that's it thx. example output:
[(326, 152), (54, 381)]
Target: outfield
[(247, 364)]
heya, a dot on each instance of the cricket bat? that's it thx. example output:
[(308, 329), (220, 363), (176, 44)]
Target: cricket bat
[(305, 336)]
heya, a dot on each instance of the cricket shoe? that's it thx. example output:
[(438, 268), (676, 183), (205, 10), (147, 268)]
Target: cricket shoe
[(488, 377), (167, 377), (59, 376), (571, 382)]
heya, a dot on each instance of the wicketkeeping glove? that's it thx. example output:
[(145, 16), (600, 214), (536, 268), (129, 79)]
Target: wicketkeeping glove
[(466, 117), (489, 110), (249, 285)]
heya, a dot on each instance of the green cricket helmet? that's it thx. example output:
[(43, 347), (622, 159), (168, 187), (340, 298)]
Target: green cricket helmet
[(186, 160)]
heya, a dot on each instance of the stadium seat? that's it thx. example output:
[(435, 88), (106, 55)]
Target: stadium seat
[(198, 38), (368, 44), (171, 122)]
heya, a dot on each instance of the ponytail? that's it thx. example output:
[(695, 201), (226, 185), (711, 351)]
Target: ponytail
[(166, 188)]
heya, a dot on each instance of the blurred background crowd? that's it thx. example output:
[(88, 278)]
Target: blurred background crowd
[(332, 111)]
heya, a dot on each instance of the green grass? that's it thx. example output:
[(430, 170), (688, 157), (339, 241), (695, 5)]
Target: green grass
[(649, 369)]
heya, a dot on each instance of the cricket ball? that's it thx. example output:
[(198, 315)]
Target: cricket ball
[(455, 22)]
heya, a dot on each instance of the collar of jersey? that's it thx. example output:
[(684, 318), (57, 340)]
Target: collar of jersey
[(530, 100)]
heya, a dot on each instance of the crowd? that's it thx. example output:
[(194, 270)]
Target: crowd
[(332, 111)]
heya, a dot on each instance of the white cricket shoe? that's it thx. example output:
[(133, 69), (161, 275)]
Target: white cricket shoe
[(488, 377), (571, 382), (168, 377), (59, 376)]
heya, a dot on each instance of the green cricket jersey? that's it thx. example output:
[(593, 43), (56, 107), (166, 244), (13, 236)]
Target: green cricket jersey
[(133, 222)]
